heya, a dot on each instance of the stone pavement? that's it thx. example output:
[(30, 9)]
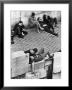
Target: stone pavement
[(40, 40)]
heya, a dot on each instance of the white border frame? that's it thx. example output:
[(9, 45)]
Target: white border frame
[(64, 8)]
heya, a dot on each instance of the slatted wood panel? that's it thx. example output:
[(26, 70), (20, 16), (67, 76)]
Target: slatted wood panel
[(19, 64)]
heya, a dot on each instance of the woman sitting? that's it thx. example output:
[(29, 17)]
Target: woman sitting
[(32, 53)]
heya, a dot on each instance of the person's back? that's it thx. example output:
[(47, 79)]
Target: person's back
[(15, 26)]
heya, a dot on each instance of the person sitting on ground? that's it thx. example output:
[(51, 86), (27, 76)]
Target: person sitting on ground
[(23, 32), (55, 21), (44, 19), (50, 23), (44, 22), (34, 23), (47, 25), (19, 30), (40, 22)]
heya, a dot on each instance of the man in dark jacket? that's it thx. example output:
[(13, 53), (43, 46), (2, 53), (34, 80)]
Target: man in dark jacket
[(19, 30)]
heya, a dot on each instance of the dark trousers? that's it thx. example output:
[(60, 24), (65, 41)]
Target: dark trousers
[(47, 29)]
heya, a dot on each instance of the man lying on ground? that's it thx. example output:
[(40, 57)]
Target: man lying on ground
[(32, 53)]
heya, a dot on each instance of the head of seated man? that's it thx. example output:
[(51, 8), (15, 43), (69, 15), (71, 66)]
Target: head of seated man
[(20, 23), (48, 17), (33, 51), (33, 14), (44, 17)]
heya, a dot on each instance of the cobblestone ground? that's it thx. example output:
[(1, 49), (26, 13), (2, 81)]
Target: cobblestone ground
[(40, 40)]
